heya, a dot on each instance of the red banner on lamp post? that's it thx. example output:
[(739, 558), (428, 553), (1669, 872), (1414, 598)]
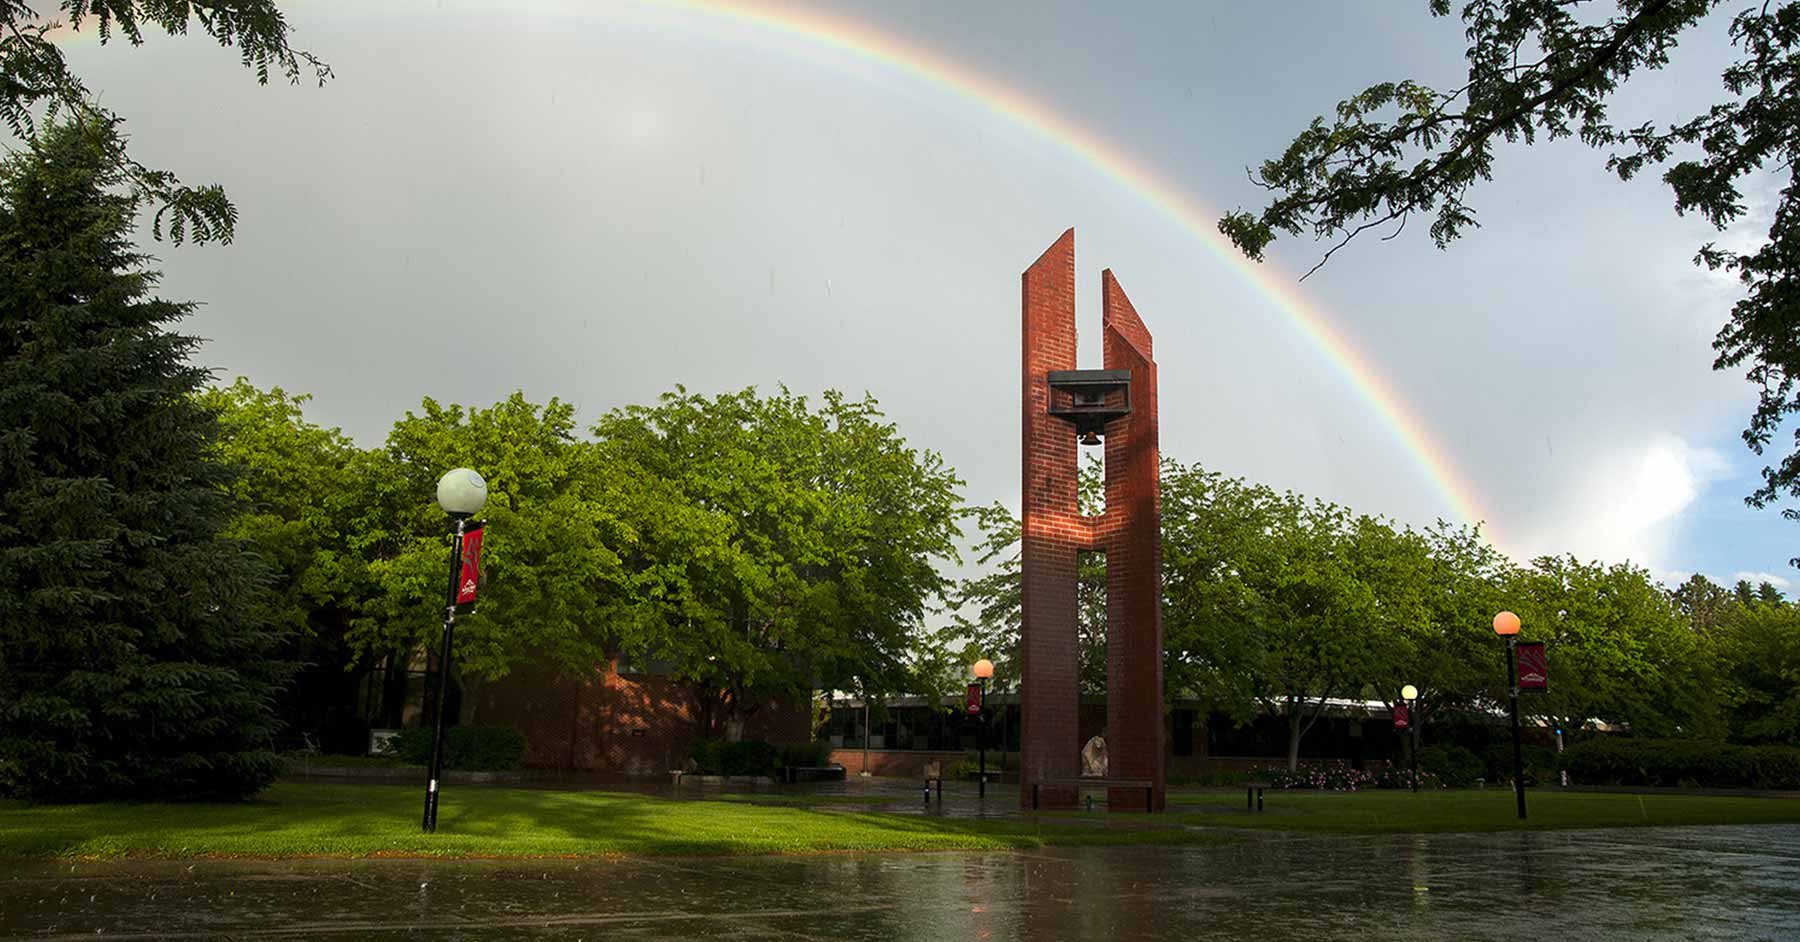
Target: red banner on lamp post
[(972, 700), (469, 580), (1534, 671), (1402, 715)]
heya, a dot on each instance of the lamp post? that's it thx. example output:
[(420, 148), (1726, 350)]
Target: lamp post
[(461, 493), (1410, 694), (984, 669), (1506, 625)]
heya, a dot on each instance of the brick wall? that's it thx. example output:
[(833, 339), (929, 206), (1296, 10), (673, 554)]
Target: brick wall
[(893, 764), (1053, 532), (631, 725), (1131, 531)]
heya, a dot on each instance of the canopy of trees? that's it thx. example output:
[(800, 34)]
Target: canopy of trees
[(1278, 604), (760, 546)]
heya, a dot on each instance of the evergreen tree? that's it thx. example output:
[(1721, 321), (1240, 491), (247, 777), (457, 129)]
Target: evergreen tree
[(133, 660)]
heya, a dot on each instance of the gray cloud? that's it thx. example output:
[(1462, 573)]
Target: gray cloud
[(598, 203)]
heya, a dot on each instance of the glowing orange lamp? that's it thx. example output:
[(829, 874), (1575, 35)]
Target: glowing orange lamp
[(984, 669), (1506, 625)]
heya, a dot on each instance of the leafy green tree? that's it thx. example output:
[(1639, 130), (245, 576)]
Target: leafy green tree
[(1618, 650), (134, 658), (786, 548), (1701, 601), (1550, 69), (988, 607), (556, 585), (1214, 535), (303, 492), (1450, 653), (1275, 602), (937, 668), (1324, 631), (1090, 582), (1400, 637), (1758, 648), (36, 85), (299, 488)]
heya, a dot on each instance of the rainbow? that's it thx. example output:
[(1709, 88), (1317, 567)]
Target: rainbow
[(1279, 288)]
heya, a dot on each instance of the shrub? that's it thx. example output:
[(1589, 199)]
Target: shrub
[(1402, 778), (1774, 766), (1214, 779), (803, 755), (466, 748), (1335, 778), (1678, 762), (1540, 763), (1453, 766), (750, 757)]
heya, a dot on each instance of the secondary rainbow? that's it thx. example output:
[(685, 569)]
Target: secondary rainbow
[(814, 27)]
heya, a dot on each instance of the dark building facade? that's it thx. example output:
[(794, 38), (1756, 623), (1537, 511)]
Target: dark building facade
[(907, 733), (629, 723)]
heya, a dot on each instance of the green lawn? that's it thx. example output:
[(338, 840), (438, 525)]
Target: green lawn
[(330, 820), (815, 800), (1374, 812)]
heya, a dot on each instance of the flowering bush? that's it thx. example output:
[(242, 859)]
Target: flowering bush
[(1335, 778), (1339, 778), (1402, 778)]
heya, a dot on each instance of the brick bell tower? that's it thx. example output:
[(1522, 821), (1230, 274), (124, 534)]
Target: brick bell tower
[(1063, 408)]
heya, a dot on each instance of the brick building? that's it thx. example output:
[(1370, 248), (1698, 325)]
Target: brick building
[(910, 731), (619, 720)]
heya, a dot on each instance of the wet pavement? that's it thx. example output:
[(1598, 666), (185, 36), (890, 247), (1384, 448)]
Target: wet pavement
[(1652, 883)]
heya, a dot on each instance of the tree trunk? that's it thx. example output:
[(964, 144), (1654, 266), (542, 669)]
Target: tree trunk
[(734, 727)]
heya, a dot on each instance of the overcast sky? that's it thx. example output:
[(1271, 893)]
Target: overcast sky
[(597, 201)]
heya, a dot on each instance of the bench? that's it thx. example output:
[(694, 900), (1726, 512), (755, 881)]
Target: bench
[(1086, 782), (934, 773), (1253, 795)]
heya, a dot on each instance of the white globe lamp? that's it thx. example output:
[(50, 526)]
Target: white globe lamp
[(461, 492)]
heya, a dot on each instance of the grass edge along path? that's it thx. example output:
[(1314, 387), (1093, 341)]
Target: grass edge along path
[(1453, 811), (364, 820)]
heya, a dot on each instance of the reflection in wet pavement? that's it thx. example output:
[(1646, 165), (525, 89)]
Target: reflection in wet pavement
[(1673, 883)]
